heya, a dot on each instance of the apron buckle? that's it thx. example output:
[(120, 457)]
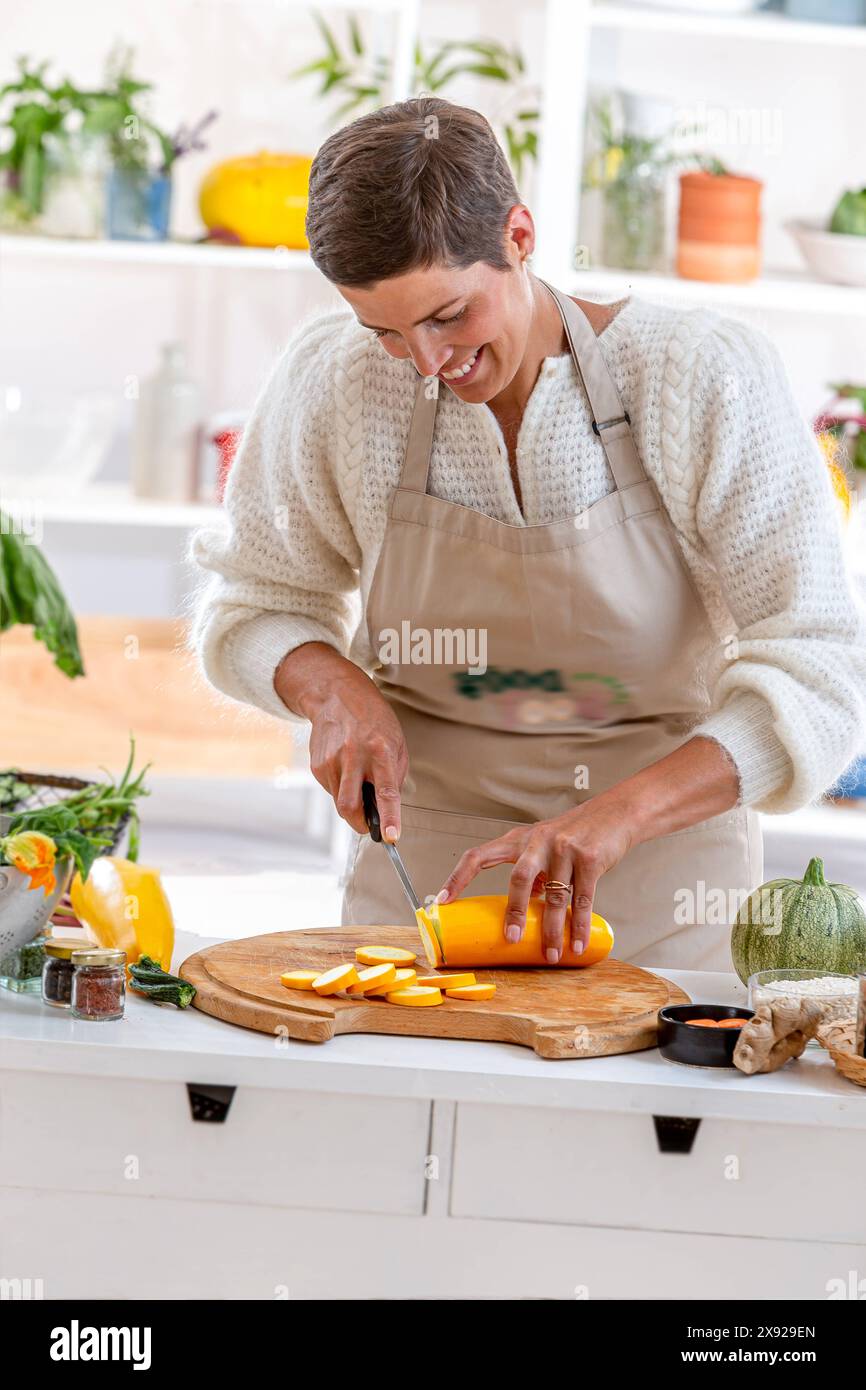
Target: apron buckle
[(608, 424)]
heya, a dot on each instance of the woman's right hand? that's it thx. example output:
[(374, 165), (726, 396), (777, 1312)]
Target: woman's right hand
[(355, 737)]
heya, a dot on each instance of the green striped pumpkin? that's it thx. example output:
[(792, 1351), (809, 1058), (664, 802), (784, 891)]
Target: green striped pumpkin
[(791, 925)]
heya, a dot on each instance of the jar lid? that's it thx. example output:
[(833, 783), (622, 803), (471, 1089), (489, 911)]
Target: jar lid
[(98, 955), (62, 947)]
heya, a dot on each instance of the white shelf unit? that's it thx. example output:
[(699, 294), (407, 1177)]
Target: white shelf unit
[(569, 26), (112, 506)]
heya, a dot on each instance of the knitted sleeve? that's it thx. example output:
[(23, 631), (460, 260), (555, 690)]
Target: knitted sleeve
[(788, 687), (283, 570)]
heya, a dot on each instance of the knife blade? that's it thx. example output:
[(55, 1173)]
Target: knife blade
[(371, 816)]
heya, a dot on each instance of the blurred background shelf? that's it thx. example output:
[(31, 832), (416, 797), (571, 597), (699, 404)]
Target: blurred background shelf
[(110, 504), (786, 291), (208, 255), (762, 26)]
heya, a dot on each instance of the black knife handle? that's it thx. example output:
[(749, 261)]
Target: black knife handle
[(371, 811)]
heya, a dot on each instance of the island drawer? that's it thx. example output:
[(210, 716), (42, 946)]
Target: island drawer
[(275, 1147), (606, 1169)]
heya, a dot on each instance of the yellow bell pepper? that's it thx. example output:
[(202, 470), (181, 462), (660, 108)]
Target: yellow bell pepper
[(125, 906)]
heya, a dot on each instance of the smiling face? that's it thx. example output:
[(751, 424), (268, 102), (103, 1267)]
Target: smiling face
[(470, 328)]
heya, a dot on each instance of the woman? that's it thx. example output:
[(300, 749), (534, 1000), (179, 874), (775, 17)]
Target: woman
[(603, 601)]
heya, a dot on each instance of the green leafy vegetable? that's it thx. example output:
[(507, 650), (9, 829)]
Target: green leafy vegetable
[(81, 825), (12, 791), (30, 594)]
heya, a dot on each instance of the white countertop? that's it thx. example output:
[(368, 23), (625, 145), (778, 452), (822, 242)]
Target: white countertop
[(163, 1043)]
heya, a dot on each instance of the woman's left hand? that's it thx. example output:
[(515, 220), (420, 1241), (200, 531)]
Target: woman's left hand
[(575, 848), (698, 780)]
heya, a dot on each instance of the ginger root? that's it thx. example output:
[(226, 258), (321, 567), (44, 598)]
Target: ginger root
[(776, 1033), (839, 1034)]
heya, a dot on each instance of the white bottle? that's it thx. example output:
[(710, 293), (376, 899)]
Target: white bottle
[(167, 432)]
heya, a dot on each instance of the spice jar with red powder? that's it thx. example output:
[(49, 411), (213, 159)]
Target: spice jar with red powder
[(98, 984)]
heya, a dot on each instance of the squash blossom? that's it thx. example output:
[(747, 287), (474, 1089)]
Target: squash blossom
[(35, 855)]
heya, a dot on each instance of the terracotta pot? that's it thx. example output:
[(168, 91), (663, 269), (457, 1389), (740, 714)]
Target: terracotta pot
[(719, 232)]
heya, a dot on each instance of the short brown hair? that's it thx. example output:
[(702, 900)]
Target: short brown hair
[(419, 183)]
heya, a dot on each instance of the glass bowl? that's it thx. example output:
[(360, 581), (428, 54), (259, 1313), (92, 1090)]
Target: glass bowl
[(837, 994)]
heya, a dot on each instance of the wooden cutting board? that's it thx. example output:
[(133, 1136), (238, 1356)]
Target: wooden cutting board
[(605, 1008)]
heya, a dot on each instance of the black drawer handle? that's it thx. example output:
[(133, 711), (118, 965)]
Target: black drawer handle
[(675, 1134), (209, 1104)]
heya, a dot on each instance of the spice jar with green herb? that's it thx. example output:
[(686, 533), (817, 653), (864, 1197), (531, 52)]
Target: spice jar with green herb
[(21, 966)]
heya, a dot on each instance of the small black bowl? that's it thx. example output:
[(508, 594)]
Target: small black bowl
[(680, 1042)]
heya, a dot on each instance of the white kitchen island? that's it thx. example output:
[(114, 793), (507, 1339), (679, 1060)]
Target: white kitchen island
[(385, 1167)]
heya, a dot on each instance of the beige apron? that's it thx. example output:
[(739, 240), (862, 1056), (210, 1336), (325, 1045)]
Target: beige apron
[(595, 636)]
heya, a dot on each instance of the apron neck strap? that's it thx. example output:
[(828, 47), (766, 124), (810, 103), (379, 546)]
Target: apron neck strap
[(416, 462), (610, 420)]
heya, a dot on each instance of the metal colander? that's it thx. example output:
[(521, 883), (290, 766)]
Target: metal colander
[(24, 912)]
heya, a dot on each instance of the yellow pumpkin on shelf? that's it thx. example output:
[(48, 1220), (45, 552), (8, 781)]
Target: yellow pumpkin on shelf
[(260, 198)]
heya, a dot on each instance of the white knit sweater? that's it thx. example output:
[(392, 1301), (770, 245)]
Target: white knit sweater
[(715, 422)]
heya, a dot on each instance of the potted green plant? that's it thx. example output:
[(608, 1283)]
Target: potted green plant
[(141, 154), (629, 169), (362, 77), (636, 142), (719, 228), (79, 161), (38, 116)]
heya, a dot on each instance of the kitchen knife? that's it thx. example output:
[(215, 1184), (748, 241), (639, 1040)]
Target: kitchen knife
[(371, 816)]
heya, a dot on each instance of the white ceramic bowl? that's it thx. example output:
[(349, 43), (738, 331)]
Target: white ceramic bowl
[(53, 442), (830, 255)]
